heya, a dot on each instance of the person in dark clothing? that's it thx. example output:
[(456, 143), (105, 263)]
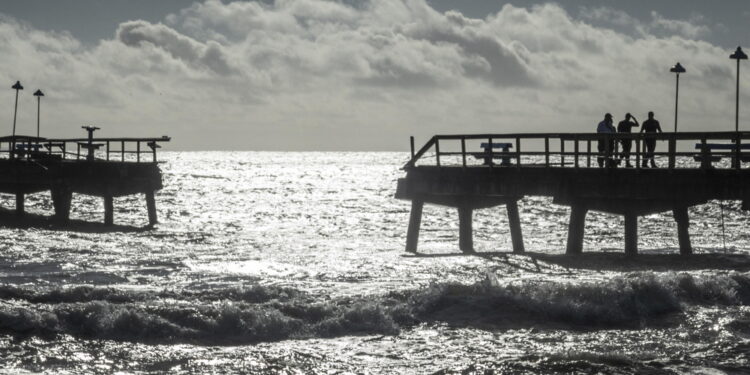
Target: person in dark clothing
[(650, 126), (625, 126), (605, 147)]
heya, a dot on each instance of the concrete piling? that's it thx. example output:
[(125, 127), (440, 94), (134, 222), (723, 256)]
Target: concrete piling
[(415, 221), (108, 210), (20, 209), (575, 229), (514, 221), (683, 236), (465, 231), (61, 199), (151, 205), (631, 234)]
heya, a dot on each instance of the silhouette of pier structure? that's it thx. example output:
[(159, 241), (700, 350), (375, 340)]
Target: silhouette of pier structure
[(470, 172), (102, 167)]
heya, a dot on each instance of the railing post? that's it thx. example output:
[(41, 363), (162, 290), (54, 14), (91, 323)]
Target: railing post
[(705, 155), (575, 150), (463, 151), (518, 151), (78, 151), (546, 151), (411, 142), (638, 152), (737, 157), (562, 153), (122, 150), (138, 152), (492, 159), (107, 150), (672, 150), (588, 153), (437, 151)]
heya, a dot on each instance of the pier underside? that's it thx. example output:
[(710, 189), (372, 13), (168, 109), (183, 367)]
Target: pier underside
[(106, 179), (627, 192)]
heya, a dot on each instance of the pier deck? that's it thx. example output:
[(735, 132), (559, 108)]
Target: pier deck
[(102, 167), (695, 168)]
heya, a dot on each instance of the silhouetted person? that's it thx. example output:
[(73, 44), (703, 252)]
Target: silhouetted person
[(625, 126), (606, 147), (650, 126)]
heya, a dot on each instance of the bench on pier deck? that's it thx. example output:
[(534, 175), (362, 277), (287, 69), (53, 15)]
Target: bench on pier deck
[(488, 155), (30, 149), (706, 157)]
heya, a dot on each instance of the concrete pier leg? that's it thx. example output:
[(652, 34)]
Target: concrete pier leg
[(20, 204), (61, 198), (415, 221), (575, 229), (151, 205), (465, 235), (683, 236), (515, 227), (109, 210), (631, 234)]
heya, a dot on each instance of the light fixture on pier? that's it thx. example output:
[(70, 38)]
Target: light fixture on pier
[(738, 55), (18, 88), (677, 69), (38, 95)]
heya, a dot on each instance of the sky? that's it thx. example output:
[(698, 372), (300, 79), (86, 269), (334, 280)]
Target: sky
[(365, 74)]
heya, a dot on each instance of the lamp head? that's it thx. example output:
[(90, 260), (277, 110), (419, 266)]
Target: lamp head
[(38, 93), (17, 86), (677, 68), (738, 54)]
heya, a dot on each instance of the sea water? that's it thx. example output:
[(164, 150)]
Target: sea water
[(293, 263)]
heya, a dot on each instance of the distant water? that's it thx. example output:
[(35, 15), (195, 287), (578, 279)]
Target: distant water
[(294, 263)]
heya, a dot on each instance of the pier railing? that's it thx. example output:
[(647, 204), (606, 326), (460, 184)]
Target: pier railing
[(582, 150), (137, 150)]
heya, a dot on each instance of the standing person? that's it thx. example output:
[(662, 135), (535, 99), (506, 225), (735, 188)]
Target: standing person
[(606, 147), (650, 126), (625, 126)]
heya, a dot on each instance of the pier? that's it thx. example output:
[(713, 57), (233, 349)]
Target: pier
[(101, 167), (470, 172)]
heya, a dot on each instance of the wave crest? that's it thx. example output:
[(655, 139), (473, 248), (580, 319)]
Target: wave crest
[(266, 313)]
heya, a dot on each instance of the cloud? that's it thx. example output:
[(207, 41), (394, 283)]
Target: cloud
[(317, 74)]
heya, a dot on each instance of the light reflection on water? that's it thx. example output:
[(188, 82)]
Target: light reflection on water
[(325, 225)]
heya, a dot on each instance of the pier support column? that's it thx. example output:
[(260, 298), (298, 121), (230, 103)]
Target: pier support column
[(415, 221), (683, 236), (631, 234), (20, 204), (151, 205), (109, 210), (465, 235), (515, 227), (61, 198), (575, 229)]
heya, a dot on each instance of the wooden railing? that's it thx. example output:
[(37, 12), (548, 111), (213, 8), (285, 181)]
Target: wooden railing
[(138, 150), (580, 150)]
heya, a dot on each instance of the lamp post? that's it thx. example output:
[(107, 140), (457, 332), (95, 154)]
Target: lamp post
[(677, 69), (38, 95), (738, 55), (18, 88)]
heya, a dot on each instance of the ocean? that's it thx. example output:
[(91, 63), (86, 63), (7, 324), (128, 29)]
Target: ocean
[(294, 263)]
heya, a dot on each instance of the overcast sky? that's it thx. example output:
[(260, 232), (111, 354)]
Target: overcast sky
[(365, 74)]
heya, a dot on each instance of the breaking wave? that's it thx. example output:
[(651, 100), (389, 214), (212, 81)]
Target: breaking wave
[(267, 313)]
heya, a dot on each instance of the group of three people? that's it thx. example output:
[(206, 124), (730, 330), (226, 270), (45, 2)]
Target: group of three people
[(607, 147)]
